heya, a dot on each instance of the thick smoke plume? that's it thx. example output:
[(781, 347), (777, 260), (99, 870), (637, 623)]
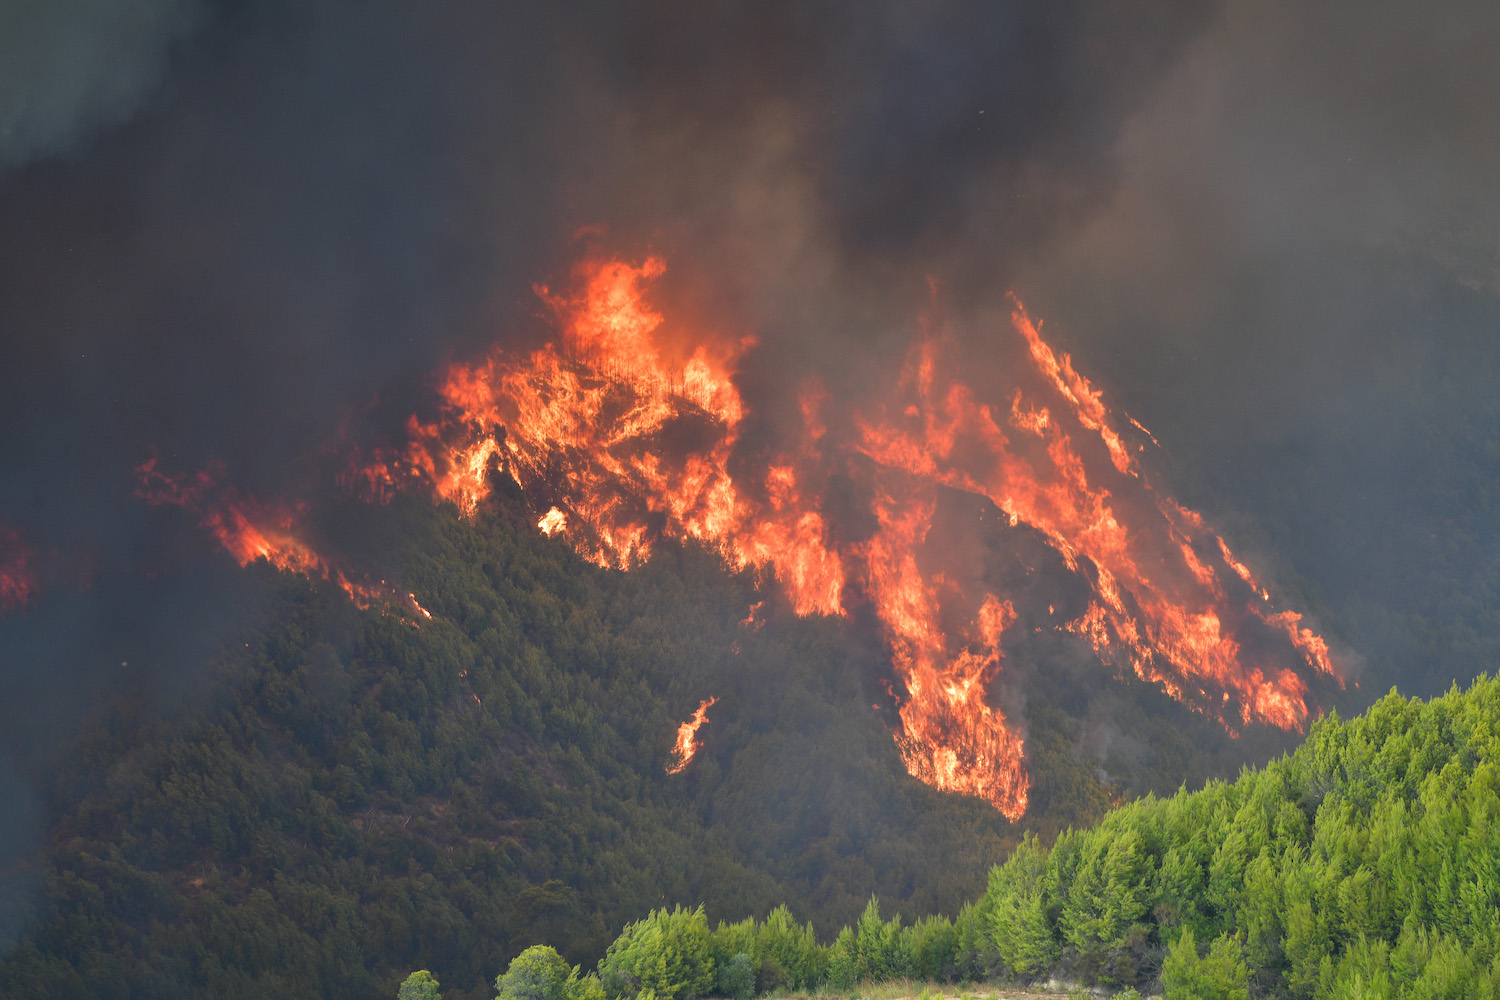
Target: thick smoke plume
[(1295, 286), (70, 69), (247, 231), (317, 205)]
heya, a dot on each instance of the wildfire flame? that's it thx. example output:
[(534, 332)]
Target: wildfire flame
[(1160, 604), (626, 436), (248, 531), (687, 737), (552, 522)]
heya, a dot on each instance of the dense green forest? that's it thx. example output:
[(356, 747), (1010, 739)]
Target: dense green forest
[(1364, 865), (347, 797)]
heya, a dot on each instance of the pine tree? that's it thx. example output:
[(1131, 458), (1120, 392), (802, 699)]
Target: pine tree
[(419, 986)]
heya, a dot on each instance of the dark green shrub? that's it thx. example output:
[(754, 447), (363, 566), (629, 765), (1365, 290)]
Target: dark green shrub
[(737, 978)]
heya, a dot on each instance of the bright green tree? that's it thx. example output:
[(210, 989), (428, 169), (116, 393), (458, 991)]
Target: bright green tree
[(538, 973), (1018, 926), (788, 951), (419, 986), (843, 961), (880, 948), (1104, 907), (669, 953), (1219, 975)]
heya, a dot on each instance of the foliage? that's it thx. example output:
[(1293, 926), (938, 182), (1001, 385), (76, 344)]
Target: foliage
[(1366, 864), (349, 797), (843, 962), (352, 797), (668, 953), (789, 953), (1363, 864), (538, 973), (1018, 926), (419, 986), (1220, 975), (737, 977), (881, 951)]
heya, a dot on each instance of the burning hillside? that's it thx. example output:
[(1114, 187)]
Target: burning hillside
[(622, 435)]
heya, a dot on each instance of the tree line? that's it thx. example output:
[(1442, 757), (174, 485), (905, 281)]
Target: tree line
[(349, 794), (1366, 864)]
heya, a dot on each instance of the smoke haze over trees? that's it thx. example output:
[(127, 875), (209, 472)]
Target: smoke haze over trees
[(248, 231)]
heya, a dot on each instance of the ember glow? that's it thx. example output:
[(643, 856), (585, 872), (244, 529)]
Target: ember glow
[(687, 737), (18, 580), (625, 432)]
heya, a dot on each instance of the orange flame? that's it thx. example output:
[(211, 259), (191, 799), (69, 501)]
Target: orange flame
[(587, 423), (249, 531), (627, 436), (687, 737), (952, 738), (1160, 605)]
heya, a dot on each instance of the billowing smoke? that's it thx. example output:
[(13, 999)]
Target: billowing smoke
[(71, 69), (316, 205), (241, 231), (1295, 285)]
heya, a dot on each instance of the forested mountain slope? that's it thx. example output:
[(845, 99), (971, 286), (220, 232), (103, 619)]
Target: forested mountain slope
[(350, 795), (1364, 865)]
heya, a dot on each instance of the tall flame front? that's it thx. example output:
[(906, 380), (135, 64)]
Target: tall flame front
[(687, 737), (624, 435)]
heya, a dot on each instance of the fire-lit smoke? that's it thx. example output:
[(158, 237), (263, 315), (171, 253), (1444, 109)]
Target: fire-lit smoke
[(626, 432), (18, 578), (687, 737), (249, 531)]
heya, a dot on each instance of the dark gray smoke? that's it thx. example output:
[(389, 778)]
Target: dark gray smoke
[(1295, 286), (70, 69), (236, 230), (316, 203)]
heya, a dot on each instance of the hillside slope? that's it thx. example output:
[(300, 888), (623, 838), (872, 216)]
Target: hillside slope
[(352, 795), (1364, 865)]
